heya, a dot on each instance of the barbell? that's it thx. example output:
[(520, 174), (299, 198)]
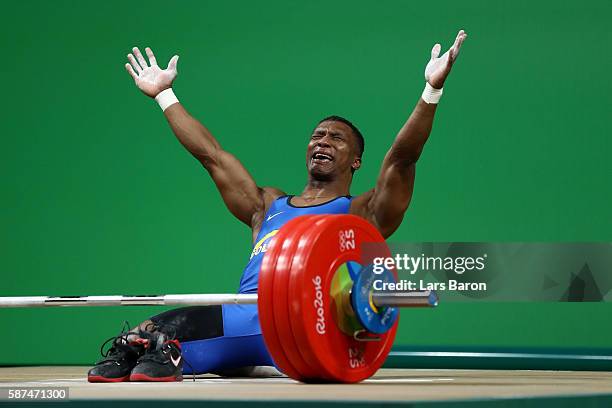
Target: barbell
[(321, 319)]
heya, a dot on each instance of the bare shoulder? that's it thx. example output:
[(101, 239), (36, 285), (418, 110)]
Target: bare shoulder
[(360, 205), (270, 194), (384, 217)]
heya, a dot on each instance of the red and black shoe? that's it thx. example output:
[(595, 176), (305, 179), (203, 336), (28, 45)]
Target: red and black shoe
[(162, 361), (119, 359)]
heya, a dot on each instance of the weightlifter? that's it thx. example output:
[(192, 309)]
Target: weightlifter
[(227, 339)]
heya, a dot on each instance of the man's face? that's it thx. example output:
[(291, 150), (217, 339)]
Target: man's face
[(332, 150)]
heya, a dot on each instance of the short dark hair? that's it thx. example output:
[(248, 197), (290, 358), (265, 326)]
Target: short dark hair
[(356, 132)]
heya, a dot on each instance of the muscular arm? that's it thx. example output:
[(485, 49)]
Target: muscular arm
[(386, 204), (245, 200)]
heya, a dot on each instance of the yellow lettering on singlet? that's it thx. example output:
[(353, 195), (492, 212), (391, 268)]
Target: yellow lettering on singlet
[(262, 241)]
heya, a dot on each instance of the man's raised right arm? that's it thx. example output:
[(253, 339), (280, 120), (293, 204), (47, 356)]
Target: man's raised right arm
[(242, 196)]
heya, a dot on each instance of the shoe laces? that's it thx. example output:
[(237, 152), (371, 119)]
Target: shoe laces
[(120, 346)]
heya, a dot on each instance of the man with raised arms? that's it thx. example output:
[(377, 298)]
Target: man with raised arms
[(222, 339)]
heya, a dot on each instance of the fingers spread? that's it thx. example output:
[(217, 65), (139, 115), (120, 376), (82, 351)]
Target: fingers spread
[(140, 58), (134, 63), (435, 51), (130, 71), (173, 62), (151, 56)]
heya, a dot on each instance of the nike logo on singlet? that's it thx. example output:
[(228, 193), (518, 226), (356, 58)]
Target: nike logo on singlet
[(273, 215)]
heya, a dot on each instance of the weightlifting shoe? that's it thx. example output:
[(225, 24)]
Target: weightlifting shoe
[(162, 361), (119, 359)]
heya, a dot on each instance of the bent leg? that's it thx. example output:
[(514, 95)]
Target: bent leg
[(218, 339)]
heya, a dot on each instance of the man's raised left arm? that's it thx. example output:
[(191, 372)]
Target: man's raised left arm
[(386, 204)]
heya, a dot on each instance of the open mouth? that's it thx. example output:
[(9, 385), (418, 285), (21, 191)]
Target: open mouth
[(321, 158)]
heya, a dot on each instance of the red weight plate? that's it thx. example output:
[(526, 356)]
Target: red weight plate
[(335, 240), (304, 247), (282, 318), (265, 298), (358, 356)]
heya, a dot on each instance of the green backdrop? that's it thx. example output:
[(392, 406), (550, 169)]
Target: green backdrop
[(97, 197)]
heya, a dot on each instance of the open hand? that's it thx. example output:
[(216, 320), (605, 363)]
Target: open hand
[(438, 68), (150, 79)]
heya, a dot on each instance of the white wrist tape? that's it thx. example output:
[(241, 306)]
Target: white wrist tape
[(431, 94), (166, 98)]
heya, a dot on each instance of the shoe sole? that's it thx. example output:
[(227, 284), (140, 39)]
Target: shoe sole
[(144, 377), (100, 379)]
